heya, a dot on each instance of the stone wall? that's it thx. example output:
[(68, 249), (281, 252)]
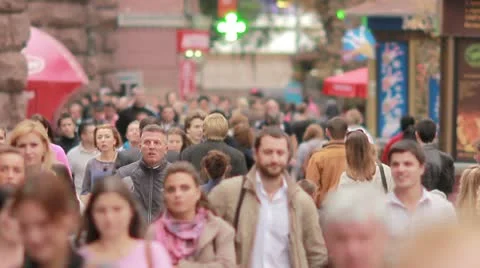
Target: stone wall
[(14, 33), (86, 28)]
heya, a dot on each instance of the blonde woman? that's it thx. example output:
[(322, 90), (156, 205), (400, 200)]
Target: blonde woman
[(468, 203), (362, 165), (32, 139)]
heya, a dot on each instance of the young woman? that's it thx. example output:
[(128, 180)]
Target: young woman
[(468, 203), (133, 136), (48, 215), (32, 140), (216, 167), (192, 234), (362, 164), (177, 140), (106, 140), (11, 248), (114, 230)]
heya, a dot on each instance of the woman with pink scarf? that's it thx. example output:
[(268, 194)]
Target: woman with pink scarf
[(191, 233)]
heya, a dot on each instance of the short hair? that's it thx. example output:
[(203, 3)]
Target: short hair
[(355, 203), (238, 118), (354, 117), (216, 163), (64, 116), (84, 125), (427, 130), (7, 149), (154, 128), (309, 187), (203, 97), (181, 133), (215, 127), (313, 131), (116, 134), (406, 121), (337, 127), (274, 132), (409, 146), (150, 120), (192, 116), (243, 135)]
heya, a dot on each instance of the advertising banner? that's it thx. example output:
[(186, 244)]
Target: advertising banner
[(187, 75)]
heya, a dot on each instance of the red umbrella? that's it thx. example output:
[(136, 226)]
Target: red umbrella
[(349, 85), (53, 73)]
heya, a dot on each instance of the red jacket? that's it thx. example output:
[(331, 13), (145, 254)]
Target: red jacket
[(389, 145)]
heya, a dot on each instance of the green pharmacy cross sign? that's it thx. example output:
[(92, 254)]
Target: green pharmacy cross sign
[(231, 27)]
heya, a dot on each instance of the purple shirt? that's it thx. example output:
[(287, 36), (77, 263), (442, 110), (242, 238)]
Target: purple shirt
[(136, 258)]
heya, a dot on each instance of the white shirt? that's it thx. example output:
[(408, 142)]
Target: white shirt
[(270, 249), (78, 158), (433, 208)]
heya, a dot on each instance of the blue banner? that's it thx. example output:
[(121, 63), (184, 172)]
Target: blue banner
[(392, 84), (434, 99)]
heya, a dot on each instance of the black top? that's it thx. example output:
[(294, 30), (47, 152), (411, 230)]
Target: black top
[(67, 143), (75, 261)]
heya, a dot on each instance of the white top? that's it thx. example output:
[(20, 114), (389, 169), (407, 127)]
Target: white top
[(433, 208), (270, 249), (78, 158), (377, 179)]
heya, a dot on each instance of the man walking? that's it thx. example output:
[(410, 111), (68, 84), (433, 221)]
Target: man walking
[(145, 177), (276, 221)]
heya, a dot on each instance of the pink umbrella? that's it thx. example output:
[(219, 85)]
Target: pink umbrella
[(351, 84), (53, 73)]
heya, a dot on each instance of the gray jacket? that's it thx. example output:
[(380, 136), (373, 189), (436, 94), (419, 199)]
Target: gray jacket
[(146, 183)]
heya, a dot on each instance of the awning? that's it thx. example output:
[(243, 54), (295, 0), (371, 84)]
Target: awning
[(393, 8), (351, 84)]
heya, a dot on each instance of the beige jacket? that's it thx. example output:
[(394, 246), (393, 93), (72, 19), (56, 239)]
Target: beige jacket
[(216, 248), (307, 247)]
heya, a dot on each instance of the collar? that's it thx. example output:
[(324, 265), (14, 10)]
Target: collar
[(83, 150), (393, 199), (160, 166), (259, 185), (334, 144), (289, 183)]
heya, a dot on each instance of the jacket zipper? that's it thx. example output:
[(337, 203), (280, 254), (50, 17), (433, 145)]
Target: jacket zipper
[(150, 198)]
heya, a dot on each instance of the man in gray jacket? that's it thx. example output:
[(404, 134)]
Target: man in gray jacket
[(146, 176)]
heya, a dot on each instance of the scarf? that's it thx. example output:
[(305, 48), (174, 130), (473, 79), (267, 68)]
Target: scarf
[(180, 238)]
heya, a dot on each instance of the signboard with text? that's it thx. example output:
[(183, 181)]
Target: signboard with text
[(191, 39), (467, 95), (461, 18)]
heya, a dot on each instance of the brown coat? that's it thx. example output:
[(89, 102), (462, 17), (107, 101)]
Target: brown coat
[(307, 247), (325, 167), (216, 248)]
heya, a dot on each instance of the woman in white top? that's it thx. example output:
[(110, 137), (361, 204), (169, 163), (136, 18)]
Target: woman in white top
[(362, 164)]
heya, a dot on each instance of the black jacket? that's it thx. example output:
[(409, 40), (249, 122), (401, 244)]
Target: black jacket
[(195, 153), (439, 170), (128, 115), (67, 143)]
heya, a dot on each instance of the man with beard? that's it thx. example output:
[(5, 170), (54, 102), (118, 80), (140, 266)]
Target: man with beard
[(276, 222)]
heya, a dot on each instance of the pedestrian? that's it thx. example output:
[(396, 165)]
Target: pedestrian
[(79, 156), (355, 121), (12, 167), (145, 177), (48, 214), (468, 205), (133, 112), (411, 207), (133, 136), (68, 137), (326, 165), (167, 118), (354, 227), (177, 140), (407, 131), (215, 129), (243, 141), (192, 234), (115, 231), (276, 222), (11, 246), (362, 164), (106, 140), (194, 127), (216, 167), (440, 171), (313, 140), (31, 138)]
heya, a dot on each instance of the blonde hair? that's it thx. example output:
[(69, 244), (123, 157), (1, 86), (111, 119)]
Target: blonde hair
[(468, 201), (215, 127), (361, 159), (354, 117), (29, 126)]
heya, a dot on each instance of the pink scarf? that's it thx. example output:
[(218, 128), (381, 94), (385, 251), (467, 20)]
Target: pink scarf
[(180, 238)]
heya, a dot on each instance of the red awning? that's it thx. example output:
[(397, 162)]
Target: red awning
[(351, 84)]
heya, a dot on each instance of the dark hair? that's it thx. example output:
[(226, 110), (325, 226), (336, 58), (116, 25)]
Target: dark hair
[(406, 121), (408, 146), (6, 193), (215, 163), (203, 97), (186, 167), (243, 135), (193, 116), (53, 193), (42, 120), (274, 132), (84, 125), (98, 106), (64, 116), (427, 130), (181, 133), (150, 120), (111, 184), (337, 127)]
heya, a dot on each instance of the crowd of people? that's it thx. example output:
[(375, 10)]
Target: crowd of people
[(212, 183)]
